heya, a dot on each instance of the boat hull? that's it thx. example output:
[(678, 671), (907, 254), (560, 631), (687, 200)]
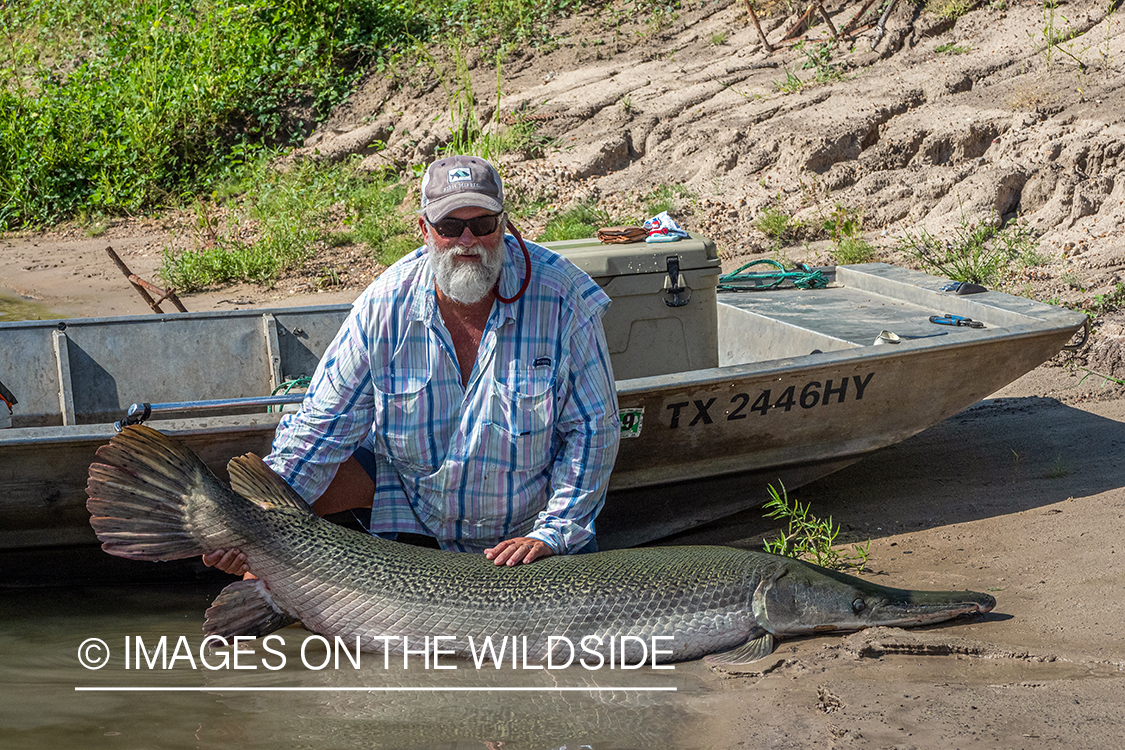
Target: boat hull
[(800, 392)]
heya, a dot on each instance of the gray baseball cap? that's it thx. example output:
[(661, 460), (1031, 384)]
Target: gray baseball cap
[(455, 182)]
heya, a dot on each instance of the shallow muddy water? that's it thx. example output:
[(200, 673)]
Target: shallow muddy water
[(299, 705), (14, 307)]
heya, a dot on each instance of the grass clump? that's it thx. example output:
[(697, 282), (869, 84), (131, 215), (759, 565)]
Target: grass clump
[(951, 9), (777, 225), (952, 49), (282, 218), (790, 85), (577, 222), (844, 226), (809, 538), (670, 198), (979, 252), (819, 59)]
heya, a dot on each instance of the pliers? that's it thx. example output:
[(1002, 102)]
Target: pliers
[(955, 320)]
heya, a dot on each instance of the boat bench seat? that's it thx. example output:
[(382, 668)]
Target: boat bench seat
[(862, 302)]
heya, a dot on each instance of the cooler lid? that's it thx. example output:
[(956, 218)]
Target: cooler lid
[(602, 261)]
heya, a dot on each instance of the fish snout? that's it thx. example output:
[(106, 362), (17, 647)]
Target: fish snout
[(985, 603)]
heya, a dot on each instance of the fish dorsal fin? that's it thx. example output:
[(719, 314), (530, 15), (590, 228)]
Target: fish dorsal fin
[(258, 483), (752, 650)]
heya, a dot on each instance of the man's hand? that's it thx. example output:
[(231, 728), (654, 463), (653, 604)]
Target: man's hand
[(522, 549), (232, 561)]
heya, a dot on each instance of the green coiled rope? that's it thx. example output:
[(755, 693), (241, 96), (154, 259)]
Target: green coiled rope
[(303, 381), (801, 276)]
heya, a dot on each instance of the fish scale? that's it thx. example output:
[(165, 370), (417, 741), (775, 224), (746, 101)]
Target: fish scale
[(152, 499)]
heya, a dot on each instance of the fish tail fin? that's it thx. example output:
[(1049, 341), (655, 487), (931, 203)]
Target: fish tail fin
[(151, 498), (245, 608)]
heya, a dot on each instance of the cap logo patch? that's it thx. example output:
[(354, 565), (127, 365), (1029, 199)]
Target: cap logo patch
[(460, 174)]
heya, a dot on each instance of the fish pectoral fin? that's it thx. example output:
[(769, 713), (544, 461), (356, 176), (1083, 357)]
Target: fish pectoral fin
[(752, 650), (245, 608), (258, 483)]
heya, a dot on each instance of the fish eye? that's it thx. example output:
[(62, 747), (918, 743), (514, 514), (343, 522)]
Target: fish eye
[(858, 606)]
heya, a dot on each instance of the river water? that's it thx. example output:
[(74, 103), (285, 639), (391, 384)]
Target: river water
[(378, 705), (14, 307)]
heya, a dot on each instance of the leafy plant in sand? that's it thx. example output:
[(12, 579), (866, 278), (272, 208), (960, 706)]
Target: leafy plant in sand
[(777, 225), (844, 226), (809, 538), (980, 252)]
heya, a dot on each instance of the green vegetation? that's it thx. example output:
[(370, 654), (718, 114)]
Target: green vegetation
[(952, 49), (671, 198), (467, 134), (122, 106), (809, 538), (791, 84), (777, 225), (978, 252), (281, 218), (952, 9), (844, 226), (578, 222), (1107, 303), (819, 58), (117, 107)]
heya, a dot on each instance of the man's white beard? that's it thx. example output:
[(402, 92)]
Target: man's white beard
[(466, 282)]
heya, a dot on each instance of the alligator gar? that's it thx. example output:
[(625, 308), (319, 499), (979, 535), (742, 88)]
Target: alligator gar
[(150, 498)]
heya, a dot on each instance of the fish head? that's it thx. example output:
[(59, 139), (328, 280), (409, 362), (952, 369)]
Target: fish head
[(804, 598)]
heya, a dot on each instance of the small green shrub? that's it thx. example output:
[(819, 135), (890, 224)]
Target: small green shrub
[(776, 224), (844, 226), (819, 59), (670, 198), (578, 222), (978, 252), (809, 538)]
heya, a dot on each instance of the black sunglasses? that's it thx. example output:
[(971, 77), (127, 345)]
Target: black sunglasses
[(478, 225)]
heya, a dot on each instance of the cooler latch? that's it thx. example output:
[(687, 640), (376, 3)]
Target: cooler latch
[(675, 293)]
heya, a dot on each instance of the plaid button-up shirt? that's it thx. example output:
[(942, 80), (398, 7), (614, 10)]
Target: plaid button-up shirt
[(525, 448)]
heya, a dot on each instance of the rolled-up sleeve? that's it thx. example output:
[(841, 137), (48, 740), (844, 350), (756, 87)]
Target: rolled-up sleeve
[(589, 428), (335, 416)]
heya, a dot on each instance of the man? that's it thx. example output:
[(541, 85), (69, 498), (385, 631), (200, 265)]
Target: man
[(468, 396)]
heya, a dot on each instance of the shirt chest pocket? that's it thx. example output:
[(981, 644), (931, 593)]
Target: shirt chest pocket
[(402, 398), (521, 415)]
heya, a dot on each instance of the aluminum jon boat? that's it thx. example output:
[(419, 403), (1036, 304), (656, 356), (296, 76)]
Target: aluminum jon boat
[(721, 393)]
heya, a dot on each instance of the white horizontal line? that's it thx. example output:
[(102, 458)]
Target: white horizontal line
[(218, 688)]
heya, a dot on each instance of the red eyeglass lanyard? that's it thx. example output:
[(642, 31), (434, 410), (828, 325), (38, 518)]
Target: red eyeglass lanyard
[(527, 267)]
